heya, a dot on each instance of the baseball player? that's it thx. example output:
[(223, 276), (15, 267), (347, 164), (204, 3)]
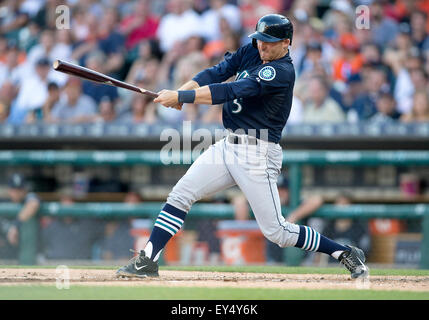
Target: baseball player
[(256, 108)]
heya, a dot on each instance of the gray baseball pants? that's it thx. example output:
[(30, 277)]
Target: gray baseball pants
[(254, 169)]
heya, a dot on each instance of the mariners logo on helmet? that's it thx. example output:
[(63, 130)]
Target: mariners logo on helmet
[(267, 73)]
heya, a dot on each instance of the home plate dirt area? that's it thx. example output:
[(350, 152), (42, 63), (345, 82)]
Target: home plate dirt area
[(169, 278)]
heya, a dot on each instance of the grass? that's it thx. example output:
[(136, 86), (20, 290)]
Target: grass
[(80, 292), (77, 292)]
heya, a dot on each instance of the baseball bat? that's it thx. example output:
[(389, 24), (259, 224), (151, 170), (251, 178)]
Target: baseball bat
[(88, 74)]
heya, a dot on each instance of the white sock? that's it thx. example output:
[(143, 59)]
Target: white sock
[(336, 254), (148, 249)]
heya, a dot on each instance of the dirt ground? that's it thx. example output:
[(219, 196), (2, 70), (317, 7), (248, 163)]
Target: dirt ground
[(95, 277)]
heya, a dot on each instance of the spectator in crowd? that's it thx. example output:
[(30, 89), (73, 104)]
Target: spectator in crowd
[(354, 88), (371, 53), (320, 107), (107, 111), (410, 77), (96, 61), (396, 54), (8, 250), (147, 50), (252, 10), (140, 25), (29, 36), (145, 71), (313, 60), (208, 232), (117, 239), (13, 19), (87, 39), (8, 93), (48, 48), (274, 253), (106, 40), (168, 64), (111, 43), (338, 18), (143, 110), (32, 93), (419, 33), (74, 106), (374, 83), (18, 193), (383, 28), (178, 25), (44, 113), (46, 18), (420, 109), (185, 67), (4, 112), (214, 50), (81, 23), (211, 19), (386, 109), (402, 62), (352, 232), (70, 238), (12, 69), (350, 60), (241, 207), (4, 46), (213, 115)]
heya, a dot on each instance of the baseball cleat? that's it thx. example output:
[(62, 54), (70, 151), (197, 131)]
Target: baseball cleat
[(139, 266), (354, 261)]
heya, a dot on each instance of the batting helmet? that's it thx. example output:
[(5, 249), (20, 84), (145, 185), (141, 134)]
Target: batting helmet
[(272, 28)]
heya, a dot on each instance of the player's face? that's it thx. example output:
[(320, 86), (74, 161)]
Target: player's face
[(269, 51)]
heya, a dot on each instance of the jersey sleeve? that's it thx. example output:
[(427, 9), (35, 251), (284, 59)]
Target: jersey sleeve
[(223, 70), (273, 78), (223, 92), (266, 80)]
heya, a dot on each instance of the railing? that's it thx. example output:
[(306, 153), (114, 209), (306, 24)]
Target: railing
[(293, 159), (29, 230), (41, 131)]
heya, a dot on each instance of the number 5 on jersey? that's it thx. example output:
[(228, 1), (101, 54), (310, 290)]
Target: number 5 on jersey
[(238, 104)]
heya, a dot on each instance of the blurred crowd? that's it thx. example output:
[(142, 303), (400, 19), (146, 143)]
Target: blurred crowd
[(346, 71)]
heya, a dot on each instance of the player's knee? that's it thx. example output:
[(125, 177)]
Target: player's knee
[(282, 235), (274, 235), (182, 201)]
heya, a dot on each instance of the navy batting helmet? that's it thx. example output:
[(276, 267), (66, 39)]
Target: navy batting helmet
[(272, 28)]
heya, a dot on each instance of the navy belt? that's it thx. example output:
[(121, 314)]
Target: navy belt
[(234, 139)]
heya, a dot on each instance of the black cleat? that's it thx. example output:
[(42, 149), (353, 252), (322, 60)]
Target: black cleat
[(354, 261), (139, 266)]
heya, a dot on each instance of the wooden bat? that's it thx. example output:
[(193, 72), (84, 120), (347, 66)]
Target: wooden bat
[(88, 74)]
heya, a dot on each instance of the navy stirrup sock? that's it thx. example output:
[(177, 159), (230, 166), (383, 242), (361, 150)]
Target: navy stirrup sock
[(168, 223), (311, 240)]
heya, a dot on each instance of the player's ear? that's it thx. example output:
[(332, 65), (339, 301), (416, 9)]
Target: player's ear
[(286, 43)]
